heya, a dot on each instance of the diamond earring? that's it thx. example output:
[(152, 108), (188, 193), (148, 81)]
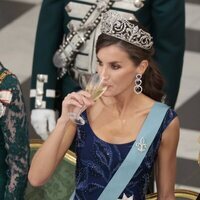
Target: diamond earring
[(138, 82)]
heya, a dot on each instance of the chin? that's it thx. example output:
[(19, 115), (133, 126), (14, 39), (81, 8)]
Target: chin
[(107, 94)]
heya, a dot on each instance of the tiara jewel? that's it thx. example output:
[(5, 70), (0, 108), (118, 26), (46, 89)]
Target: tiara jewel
[(115, 25)]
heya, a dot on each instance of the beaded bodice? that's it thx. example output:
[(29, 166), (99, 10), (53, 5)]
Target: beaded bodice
[(97, 161)]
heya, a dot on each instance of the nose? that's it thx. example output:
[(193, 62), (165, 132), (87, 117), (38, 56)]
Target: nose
[(104, 73)]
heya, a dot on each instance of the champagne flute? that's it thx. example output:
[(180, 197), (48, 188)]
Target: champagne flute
[(96, 88)]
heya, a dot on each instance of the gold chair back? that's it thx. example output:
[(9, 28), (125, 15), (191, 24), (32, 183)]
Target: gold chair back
[(179, 194)]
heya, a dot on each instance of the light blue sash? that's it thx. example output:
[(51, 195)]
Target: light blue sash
[(136, 155)]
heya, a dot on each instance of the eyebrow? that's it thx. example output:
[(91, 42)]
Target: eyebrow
[(113, 62)]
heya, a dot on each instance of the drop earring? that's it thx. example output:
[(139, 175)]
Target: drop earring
[(138, 82)]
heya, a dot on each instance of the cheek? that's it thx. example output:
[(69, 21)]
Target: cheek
[(122, 81)]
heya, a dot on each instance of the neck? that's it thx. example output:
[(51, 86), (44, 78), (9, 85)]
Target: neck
[(123, 102)]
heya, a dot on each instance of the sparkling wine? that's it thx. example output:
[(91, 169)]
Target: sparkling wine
[(96, 92)]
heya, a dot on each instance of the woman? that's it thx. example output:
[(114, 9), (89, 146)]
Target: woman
[(14, 143), (115, 154)]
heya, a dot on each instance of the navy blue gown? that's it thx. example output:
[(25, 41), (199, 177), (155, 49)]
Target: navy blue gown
[(97, 161)]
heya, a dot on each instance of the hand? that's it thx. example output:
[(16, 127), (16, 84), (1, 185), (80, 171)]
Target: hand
[(43, 121), (76, 101)]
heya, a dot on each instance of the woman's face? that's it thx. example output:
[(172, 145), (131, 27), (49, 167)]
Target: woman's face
[(117, 69)]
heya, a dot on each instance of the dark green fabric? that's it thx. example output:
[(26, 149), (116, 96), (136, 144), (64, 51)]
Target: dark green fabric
[(3, 166), (59, 187), (14, 143)]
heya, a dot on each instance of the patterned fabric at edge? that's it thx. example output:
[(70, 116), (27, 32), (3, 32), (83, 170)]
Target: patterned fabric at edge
[(14, 145), (97, 161)]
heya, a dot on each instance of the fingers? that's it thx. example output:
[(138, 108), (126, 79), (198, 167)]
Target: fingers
[(81, 98), (85, 93), (86, 98)]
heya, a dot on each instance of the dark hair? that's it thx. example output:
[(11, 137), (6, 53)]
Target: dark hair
[(152, 81)]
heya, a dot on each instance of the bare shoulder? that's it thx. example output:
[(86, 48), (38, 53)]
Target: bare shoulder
[(171, 134), (174, 124)]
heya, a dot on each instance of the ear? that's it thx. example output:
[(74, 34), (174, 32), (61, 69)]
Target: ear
[(142, 67)]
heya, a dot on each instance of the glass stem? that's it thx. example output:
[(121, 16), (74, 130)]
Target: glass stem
[(81, 110)]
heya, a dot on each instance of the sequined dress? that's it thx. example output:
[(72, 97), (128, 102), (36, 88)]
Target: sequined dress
[(14, 145), (97, 161)]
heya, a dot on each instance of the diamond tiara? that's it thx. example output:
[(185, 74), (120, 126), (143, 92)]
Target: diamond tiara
[(115, 25)]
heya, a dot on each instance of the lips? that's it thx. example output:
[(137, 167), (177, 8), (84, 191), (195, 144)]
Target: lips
[(106, 85)]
